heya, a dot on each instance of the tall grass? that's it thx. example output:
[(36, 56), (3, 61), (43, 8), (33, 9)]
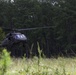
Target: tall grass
[(52, 66), (36, 65)]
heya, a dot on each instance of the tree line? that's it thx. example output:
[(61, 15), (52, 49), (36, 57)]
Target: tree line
[(61, 14)]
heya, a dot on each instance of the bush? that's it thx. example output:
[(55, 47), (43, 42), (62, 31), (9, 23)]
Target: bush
[(5, 61)]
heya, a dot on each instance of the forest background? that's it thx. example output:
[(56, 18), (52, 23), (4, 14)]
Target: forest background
[(61, 14)]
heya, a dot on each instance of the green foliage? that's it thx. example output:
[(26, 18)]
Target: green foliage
[(5, 62), (23, 66), (46, 67), (39, 51)]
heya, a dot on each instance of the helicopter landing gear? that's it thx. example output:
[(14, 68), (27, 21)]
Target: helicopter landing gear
[(19, 50), (26, 50)]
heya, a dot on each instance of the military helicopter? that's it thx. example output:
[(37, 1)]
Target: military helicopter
[(14, 37)]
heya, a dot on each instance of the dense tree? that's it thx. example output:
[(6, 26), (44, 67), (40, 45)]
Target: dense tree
[(35, 13), (65, 22)]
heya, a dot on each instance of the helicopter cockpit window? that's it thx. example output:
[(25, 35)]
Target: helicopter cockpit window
[(20, 36)]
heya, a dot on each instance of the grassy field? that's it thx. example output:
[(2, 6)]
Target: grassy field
[(36, 66)]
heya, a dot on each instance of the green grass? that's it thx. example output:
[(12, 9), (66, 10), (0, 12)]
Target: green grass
[(52, 66), (36, 66)]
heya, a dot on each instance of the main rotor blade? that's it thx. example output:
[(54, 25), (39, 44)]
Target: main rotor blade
[(27, 29), (34, 28)]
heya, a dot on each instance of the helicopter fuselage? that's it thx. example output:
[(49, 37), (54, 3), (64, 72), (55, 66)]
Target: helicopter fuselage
[(13, 38)]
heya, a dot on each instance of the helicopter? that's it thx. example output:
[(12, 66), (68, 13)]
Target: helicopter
[(14, 37)]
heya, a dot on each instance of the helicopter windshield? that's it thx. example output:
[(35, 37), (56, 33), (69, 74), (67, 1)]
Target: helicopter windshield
[(20, 37)]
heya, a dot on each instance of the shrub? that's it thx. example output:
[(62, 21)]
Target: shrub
[(5, 61)]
